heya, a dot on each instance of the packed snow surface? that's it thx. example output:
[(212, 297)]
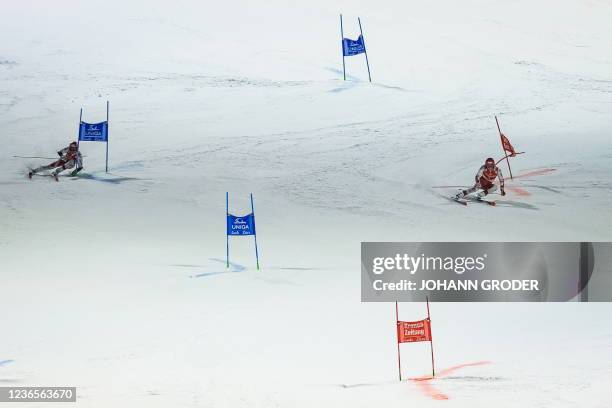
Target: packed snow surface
[(116, 282)]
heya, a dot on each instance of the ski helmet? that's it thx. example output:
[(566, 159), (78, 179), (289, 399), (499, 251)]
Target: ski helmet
[(490, 162), (73, 145)]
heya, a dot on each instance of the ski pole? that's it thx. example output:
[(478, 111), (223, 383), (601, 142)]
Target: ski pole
[(35, 157), (39, 157), (506, 156)]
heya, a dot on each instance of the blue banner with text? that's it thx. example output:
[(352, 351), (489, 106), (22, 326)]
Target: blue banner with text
[(241, 225), (93, 132), (353, 47)]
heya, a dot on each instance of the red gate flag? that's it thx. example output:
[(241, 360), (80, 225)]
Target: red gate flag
[(507, 146), (411, 332)]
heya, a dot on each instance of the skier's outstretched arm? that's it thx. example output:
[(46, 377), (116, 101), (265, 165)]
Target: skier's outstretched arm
[(500, 177), (479, 174)]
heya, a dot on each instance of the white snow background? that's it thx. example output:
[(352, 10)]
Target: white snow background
[(116, 283)]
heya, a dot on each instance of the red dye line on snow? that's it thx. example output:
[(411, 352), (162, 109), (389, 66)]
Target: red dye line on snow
[(451, 370), (519, 191), (423, 383), (539, 172), (429, 390)]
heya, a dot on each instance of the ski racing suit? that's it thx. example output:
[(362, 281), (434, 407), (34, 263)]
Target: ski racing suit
[(68, 159), (485, 181)]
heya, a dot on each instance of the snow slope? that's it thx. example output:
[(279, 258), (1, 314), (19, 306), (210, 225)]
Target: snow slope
[(116, 282)]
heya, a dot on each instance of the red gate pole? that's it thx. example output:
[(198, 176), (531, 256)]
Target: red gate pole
[(504, 150), (433, 369), (397, 328)]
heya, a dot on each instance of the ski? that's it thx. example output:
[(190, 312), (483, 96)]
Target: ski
[(464, 201), (458, 200), (31, 175), (76, 171), (480, 200)]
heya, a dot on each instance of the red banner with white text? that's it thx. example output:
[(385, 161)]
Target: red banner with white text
[(411, 332)]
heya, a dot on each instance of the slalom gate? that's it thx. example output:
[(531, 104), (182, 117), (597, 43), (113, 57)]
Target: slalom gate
[(240, 226), (412, 332), (94, 132), (353, 47)]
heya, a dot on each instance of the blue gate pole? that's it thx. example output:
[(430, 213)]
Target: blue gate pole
[(342, 42), (226, 235), (365, 50), (107, 136), (79, 136), (255, 234)]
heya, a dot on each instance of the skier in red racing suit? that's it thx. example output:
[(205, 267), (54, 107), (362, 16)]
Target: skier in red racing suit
[(69, 157), (485, 181)]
